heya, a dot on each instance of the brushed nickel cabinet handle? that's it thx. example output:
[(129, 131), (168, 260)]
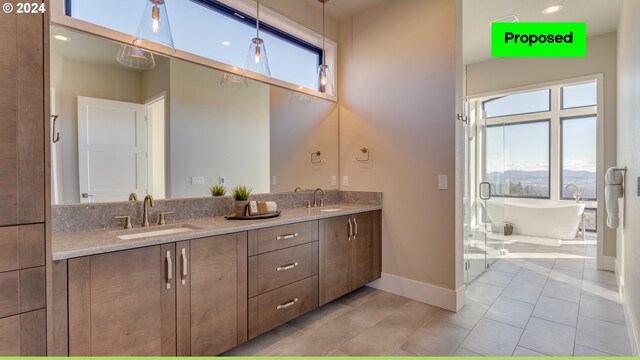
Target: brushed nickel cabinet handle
[(169, 269), (355, 223), (350, 229), (287, 304), (184, 266), (287, 236), (286, 267)]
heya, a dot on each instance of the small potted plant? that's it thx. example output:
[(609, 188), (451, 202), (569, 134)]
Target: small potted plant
[(217, 190), (241, 197)]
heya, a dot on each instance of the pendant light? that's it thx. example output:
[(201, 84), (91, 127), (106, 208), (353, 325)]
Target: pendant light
[(154, 25), (325, 81), (135, 58), (257, 57)]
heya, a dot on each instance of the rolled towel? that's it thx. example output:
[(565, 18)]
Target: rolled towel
[(612, 191), (253, 208), (266, 207)]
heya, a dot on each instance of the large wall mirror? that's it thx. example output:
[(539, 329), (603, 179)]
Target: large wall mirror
[(176, 128)]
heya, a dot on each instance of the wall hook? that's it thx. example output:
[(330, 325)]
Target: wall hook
[(315, 157), (366, 152)]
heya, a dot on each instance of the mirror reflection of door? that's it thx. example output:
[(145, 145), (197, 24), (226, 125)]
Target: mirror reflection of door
[(112, 149)]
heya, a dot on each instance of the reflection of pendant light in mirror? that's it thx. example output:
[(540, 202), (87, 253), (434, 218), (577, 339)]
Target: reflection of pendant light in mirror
[(257, 56), (325, 81), (136, 58), (233, 81), (154, 25)]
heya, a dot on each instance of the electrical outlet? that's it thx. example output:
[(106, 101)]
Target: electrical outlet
[(443, 182), (195, 180), (274, 180), (345, 181), (221, 180), (334, 181)]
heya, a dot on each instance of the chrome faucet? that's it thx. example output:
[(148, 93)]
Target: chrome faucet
[(315, 199), (148, 201), (576, 195)]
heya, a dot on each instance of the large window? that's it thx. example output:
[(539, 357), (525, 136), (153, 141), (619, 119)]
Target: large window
[(518, 159), (579, 139), (212, 30)]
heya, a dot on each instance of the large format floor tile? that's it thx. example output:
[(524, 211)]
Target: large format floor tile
[(492, 338), (603, 336), (523, 292), (511, 312), (548, 337), (560, 311)]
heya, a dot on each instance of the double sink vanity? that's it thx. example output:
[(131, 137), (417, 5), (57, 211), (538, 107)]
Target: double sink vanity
[(202, 286)]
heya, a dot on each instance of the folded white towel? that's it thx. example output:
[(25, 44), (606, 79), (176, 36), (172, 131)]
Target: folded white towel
[(253, 208), (612, 191), (272, 206)]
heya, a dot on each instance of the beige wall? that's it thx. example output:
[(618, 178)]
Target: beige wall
[(502, 74), (301, 125), (397, 95), (306, 15), (628, 247), (71, 79), (216, 131)]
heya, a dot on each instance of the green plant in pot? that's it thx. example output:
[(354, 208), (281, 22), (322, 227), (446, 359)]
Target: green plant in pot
[(241, 196), (217, 190)]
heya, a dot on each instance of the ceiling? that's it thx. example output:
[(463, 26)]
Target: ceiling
[(343, 9), (601, 17)]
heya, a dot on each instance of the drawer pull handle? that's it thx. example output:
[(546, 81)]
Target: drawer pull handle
[(288, 236), (286, 267), (169, 269), (287, 304)]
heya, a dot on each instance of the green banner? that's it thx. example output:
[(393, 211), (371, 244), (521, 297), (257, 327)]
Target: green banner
[(532, 39)]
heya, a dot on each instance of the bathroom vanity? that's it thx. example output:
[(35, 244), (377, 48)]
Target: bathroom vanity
[(214, 286)]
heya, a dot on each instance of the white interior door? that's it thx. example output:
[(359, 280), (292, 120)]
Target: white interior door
[(112, 149)]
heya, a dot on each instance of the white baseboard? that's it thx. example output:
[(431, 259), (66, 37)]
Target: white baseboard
[(607, 263), (429, 294), (632, 327)]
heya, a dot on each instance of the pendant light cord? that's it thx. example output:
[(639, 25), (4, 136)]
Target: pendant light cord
[(258, 19), (324, 55)]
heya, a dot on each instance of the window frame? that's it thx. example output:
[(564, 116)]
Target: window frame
[(58, 17), (519, 114), (561, 104), (525, 122), (561, 148)]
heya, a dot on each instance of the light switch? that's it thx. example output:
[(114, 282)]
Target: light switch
[(443, 182), (345, 181), (196, 180), (334, 181), (221, 180)]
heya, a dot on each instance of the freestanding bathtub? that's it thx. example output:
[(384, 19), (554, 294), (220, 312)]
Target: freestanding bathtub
[(557, 220)]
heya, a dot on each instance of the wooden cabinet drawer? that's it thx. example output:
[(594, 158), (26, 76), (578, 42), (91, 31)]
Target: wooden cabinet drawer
[(21, 247), (22, 291), (275, 308), (280, 237), (24, 334), (275, 269)]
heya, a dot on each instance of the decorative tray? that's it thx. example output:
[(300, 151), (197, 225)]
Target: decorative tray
[(233, 216)]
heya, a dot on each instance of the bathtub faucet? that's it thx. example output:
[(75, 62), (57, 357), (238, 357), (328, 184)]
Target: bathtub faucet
[(576, 195)]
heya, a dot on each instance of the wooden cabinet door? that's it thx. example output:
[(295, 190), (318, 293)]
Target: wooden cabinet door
[(123, 303), (211, 294), (365, 249), (22, 123), (335, 258)]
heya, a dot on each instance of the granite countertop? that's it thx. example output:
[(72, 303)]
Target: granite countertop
[(69, 245)]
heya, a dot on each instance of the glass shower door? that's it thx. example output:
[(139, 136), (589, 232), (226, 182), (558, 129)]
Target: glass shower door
[(483, 174)]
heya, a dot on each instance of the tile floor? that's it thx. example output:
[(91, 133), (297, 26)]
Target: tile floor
[(538, 301)]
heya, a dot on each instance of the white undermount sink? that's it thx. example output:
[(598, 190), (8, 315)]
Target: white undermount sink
[(155, 231), (330, 210)]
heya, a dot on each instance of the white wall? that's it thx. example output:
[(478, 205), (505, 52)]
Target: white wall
[(506, 73), (398, 98), (628, 145), (71, 79), (216, 132), (300, 125)]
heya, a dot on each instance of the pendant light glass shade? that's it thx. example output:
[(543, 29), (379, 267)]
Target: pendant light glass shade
[(154, 25), (135, 58), (233, 81), (257, 61), (325, 80)]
